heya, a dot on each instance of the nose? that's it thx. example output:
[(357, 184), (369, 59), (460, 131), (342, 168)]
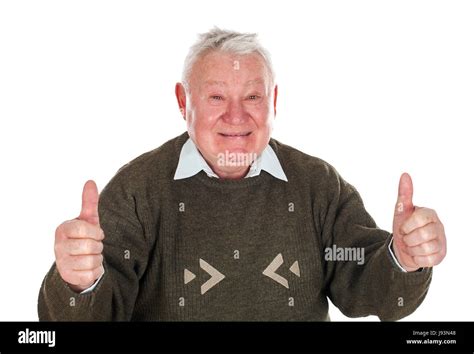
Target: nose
[(235, 113)]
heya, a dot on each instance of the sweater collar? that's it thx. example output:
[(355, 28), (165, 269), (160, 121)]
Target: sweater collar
[(191, 163)]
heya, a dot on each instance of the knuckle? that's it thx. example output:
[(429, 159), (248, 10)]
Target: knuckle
[(92, 262), (86, 277), (88, 262), (440, 228), (425, 248), (75, 262), (419, 220), (430, 260), (412, 240), (67, 275), (425, 261), (96, 247), (404, 228), (58, 232), (93, 247), (424, 234), (443, 254), (87, 246), (439, 257), (427, 218), (61, 231), (65, 230), (412, 251), (97, 233), (408, 241), (420, 217), (436, 246), (68, 247), (61, 262), (57, 249), (81, 229), (80, 246), (430, 211)]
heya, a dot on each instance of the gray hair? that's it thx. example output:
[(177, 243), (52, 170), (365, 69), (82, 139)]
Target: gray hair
[(229, 42)]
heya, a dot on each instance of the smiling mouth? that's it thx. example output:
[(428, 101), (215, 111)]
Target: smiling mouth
[(235, 135)]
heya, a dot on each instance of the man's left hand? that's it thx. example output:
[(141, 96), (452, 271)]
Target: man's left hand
[(418, 235)]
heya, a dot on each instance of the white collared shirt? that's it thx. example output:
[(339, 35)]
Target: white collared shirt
[(191, 163)]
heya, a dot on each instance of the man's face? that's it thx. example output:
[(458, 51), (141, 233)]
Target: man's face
[(229, 109)]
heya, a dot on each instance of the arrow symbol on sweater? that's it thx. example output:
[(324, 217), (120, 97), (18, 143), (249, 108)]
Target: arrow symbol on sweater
[(272, 268), (270, 271), (188, 276), (216, 276)]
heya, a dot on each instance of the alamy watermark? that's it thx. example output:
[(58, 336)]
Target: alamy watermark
[(37, 337), (236, 159), (351, 254)]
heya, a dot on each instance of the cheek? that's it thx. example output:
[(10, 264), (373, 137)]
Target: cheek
[(205, 120), (204, 124), (263, 118), (260, 113), (264, 121)]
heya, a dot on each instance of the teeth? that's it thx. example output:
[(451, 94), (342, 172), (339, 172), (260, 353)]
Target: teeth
[(243, 134)]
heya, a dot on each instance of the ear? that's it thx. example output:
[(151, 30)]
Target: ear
[(275, 94), (181, 97)]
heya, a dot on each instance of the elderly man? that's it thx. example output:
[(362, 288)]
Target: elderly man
[(225, 223)]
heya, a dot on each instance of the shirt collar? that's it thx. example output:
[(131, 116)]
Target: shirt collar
[(191, 163)]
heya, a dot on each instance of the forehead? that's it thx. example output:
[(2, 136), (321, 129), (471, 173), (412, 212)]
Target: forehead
[(220, 68)]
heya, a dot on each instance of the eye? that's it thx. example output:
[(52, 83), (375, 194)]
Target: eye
[(217, 97), (253, 97)]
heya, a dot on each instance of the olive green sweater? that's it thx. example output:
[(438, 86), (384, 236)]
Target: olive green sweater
[(203, 248)]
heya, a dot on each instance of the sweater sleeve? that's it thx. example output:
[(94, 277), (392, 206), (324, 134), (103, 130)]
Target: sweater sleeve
[(125, 260), (375, 286)]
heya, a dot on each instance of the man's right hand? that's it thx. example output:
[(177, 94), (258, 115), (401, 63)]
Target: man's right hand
[(78, 244)]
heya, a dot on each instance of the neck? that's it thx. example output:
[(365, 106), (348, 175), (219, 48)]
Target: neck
[(231, 174)]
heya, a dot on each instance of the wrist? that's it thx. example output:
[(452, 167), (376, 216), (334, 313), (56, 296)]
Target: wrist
[(399, 259), (79, 288)]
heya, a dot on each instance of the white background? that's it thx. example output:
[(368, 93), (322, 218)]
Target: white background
[(373, 87)]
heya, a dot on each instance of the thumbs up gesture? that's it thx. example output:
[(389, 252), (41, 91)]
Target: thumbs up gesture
[(78, 244), (418, 234)]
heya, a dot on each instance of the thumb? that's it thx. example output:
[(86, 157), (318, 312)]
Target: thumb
[(90, 203), (404, 207)]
